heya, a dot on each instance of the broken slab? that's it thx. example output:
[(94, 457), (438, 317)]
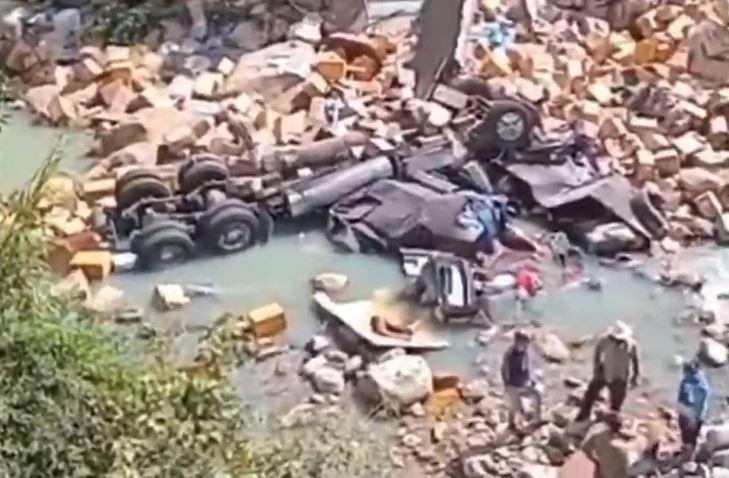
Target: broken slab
[(358, 317), (440, 33), (271, 71), (168, 297)]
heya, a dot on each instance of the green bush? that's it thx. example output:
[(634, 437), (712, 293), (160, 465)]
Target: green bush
[(74, 402)]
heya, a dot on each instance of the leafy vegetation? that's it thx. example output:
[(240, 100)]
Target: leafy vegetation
[(124, 26)]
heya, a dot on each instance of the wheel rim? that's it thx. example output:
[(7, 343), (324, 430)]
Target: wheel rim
[(510, 126), (234, 237), (171, 253)]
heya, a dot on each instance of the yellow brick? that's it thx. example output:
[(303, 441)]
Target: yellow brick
[(96, 265), (268, 320)]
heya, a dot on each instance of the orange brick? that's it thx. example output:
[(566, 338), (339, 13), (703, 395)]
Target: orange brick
[(331, 66), (96, 265), (268, 320)]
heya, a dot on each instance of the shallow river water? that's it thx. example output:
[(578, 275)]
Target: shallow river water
[(280, 271)]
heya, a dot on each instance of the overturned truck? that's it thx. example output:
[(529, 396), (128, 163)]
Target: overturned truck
[(455, 194)]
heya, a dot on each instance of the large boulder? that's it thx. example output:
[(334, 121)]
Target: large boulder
[(328, 380), (399, 381), (107, 300), (712, 352), (271, 71), (552, 348), (330, 282)]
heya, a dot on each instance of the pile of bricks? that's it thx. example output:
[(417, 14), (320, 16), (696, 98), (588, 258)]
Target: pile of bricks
[(651, 90)]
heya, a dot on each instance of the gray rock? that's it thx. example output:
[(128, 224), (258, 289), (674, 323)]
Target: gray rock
[(249, 35), (538, 471), (722, 229), (479, 466), (398, 382), (611, 238), (330, 282), (716, 331), (318, 399), (411, 440), (390, 354), (312, 365), (552, 348), (300, 415), (170, 297), (336, 357), (318, 344), (354, 364), (328, 380), (107, 300), (417, 410), (712, 352), (475, 390)]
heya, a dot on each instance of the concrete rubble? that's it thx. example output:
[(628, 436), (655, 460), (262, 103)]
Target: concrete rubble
[(291, 102)]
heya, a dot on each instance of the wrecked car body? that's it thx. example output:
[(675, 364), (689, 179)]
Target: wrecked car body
[(390, 215), (562, 176)]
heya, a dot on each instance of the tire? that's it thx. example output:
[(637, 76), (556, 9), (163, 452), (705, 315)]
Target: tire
[(229, 227), (196, 173), (133, 174), (161, 244), (508, 125), (143, 187)]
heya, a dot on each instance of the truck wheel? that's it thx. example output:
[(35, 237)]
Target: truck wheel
[(230, 227), (196, 173), (142, 187), (133, 174), (508, 124), (161, 244)]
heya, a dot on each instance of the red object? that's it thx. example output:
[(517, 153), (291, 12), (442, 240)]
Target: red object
[(528, 280)]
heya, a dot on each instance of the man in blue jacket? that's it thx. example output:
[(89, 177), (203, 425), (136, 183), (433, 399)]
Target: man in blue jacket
[(693, 405), (519, 383)]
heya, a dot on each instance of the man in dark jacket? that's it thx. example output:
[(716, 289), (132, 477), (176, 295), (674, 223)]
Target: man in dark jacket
[(519, 383)]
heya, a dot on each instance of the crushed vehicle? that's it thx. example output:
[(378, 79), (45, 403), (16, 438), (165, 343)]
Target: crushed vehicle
[(417, 192), (212, 209)]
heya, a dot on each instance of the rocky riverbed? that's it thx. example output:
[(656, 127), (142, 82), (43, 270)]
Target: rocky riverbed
[(197, 85)]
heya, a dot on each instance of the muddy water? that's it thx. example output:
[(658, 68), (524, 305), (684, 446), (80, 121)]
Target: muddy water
[(23, 147), (280, 272)]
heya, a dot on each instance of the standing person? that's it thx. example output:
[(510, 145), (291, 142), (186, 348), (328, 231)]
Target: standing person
[(516, 373), (693, 404), (615, 355)]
